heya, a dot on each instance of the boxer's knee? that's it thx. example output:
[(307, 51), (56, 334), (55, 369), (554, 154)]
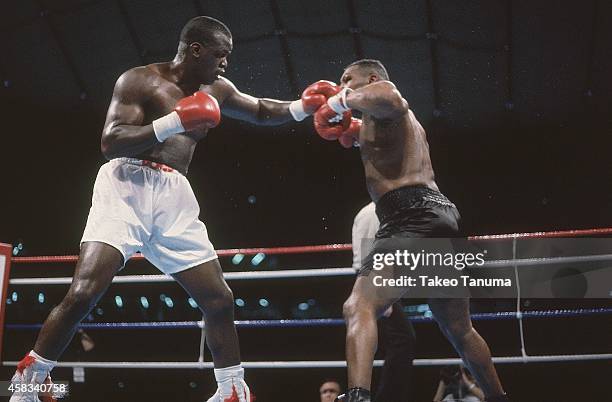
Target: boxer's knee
[(220, 303), (81, 298), (356, 307), (349, 308)]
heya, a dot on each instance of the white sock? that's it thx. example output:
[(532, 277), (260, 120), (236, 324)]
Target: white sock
[(49, 363), (227, 377)]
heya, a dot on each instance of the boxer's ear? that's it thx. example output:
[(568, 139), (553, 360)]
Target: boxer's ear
[(373, 78), (196, 49)]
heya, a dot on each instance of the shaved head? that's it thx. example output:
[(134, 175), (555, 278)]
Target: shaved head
[(204, 30), (371, 66)]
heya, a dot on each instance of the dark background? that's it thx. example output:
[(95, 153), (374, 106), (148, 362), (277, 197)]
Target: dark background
[(515, 97)]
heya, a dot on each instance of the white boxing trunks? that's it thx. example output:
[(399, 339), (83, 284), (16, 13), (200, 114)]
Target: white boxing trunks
[(148, 207)]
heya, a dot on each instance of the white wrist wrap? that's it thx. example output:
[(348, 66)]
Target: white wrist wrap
[(297, 110), (168, 125), (338, 101)]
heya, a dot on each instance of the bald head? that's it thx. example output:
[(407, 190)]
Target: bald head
[(371, 66)]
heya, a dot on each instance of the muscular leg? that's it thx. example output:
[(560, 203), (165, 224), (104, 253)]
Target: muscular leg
[(361, 310), (205, 284), (453, 317), (97, 265)]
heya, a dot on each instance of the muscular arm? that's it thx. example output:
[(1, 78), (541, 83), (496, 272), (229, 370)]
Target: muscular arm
[(380, 100), (259, 111), (123, 134)]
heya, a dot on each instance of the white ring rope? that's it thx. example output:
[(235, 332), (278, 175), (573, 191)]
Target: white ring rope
[(322, 363), (280, 274)]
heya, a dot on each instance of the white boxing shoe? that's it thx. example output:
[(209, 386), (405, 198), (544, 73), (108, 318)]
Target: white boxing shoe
[(232, 390), (32, 369)]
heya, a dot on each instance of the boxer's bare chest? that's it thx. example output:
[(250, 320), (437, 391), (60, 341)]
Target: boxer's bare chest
[(164, 97), (382, 141)]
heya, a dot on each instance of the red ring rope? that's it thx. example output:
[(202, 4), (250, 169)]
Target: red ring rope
[(557, 233)]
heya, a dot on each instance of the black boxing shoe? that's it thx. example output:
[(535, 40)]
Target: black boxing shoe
[(499, 398), (355, 395)]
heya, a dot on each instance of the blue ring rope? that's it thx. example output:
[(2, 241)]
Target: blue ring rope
[(321, 322)]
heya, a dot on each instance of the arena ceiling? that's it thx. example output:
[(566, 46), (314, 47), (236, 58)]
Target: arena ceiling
[(458, 60)]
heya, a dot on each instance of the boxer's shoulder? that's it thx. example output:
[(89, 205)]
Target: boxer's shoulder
[(137, 75), (136, 81), (222, 89), (157, 74), (144, 83)]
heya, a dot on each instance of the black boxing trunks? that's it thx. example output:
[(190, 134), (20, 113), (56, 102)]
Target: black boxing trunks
[(412, 212)]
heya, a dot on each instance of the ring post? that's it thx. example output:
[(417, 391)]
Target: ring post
[(5, 269)]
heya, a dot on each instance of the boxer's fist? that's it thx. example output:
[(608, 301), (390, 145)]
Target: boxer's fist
[(317, 94), (351, 134), (199, 110), (313, 97), (329, 125)]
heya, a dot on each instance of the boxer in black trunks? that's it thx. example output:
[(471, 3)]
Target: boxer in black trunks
[(400, 179)]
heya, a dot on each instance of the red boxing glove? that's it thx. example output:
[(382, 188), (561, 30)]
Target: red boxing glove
[(330, 130), (199, 110), (312, 99), (317, 94), (351, 134)]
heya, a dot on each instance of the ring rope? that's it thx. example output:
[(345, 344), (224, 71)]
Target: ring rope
[(280, 274), (325, 248), (323, 322), (554, 233), (523, 262), (322, 363)]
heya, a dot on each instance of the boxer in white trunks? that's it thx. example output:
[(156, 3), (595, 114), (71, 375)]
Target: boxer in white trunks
[(142, 200)]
